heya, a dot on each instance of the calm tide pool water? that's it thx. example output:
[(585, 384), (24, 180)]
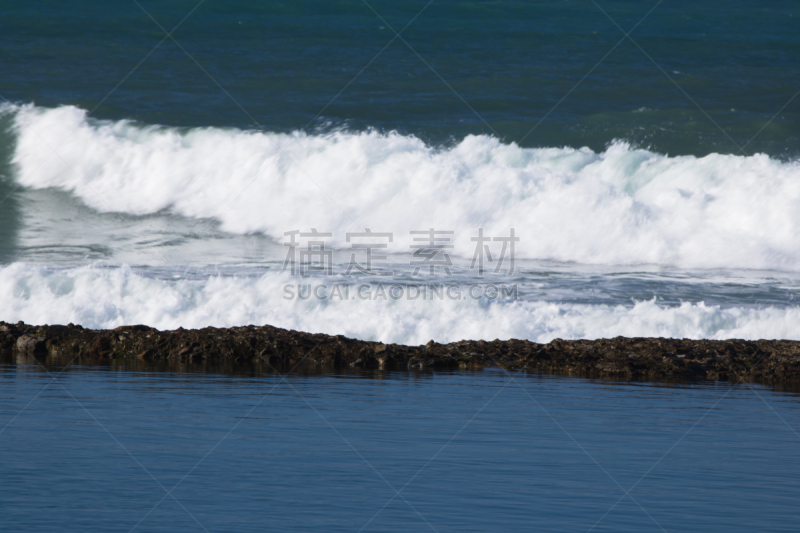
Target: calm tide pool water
[(121, 449)]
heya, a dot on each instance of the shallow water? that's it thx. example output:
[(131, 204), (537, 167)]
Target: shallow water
[(97, 449)]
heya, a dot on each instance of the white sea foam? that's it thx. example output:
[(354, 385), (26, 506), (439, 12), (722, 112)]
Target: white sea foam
[(106, 298), (621, 206)]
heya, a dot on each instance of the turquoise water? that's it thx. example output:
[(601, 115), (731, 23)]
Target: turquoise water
[(98, 449)]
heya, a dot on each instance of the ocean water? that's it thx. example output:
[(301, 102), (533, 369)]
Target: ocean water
[(644, 154), (156, 159), (138, 450)]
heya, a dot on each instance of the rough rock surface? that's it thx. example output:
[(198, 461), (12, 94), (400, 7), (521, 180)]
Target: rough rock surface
[(285, 350)]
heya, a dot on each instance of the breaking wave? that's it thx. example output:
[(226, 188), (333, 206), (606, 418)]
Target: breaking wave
[(622, 206)]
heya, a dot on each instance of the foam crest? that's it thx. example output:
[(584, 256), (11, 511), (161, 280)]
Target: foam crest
[(107, 298), (621, 206)]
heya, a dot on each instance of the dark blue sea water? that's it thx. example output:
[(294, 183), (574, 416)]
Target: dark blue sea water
[(121, 449), (695, 77)]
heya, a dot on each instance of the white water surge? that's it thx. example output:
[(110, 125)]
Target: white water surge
[(106, 298), (622, 206)]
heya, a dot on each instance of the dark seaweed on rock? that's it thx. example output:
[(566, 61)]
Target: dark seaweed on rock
[(284, 350)]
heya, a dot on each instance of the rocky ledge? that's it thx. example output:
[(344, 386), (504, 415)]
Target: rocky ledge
[(286, 350)]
